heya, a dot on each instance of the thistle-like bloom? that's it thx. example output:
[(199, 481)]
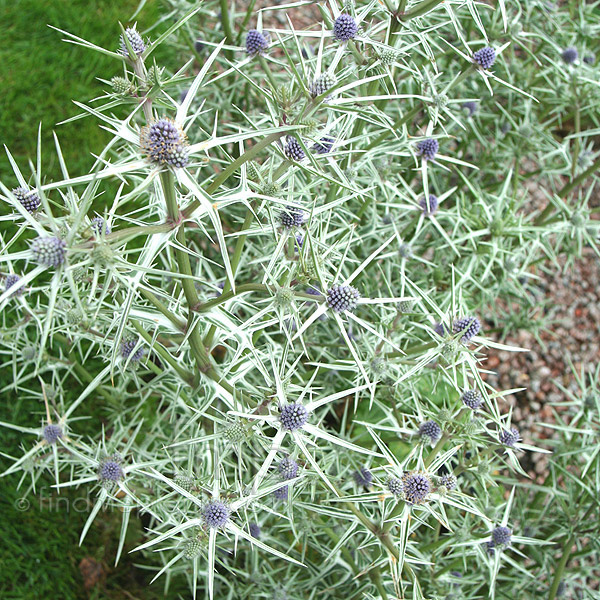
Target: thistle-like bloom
[(468, 326), (11, 280), (509, 437), (589, 59), (501, 536), (321, 84), (293, 416), (192, 549), (470, 107), (342, 297), (292, 217), (165, 143), (431, 430), (99, 225), (110, 469), (394, 485), (127, 347), (324, 145), (569, 55), (405, 251), (288, 468), (490, 548), (428, 148), (472, 399), (135, 41), (282, 493), (416, 487), (184, 482), (449, 481), (429, 208), (254, 529), (215, 514), (485, 57), (49, 251), (29, 199), (345, 28), (52, 433), (293, 150), (363, 477), (256, 42)]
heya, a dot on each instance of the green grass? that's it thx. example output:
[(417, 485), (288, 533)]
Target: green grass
[(41, 75)]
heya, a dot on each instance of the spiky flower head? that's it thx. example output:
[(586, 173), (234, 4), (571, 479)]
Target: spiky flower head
[(429, 207), (321, 84), (589, 59), (293, 416), (388, 57), (345, 28), (292, 217), (120, 85), (470, 107), (501, 536), (485, 57), (449, 481), (281, 493), (10, 281), (110, 469), (415, 487), (293, 150), (52, 433), (155, 75), (135, 41), (569, 55), (103, 254), (254, 529), (405, 251), (165, 143), (236, 432), (252, 171), (324, 145), (215, 514), (100, 226), (342, 297), (363, 477), (490, 548), (468, 326), (428, 148), (256, 42), (127, 347), (431, 430), (28, 199), (394, 485), (192, 549), (288, 468), (184, 482), (472, 399), (49, 251), (509, 437)]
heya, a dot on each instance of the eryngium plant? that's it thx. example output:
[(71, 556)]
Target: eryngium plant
[(252, 365)]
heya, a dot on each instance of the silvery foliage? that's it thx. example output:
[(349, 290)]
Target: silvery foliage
[(230, 307)]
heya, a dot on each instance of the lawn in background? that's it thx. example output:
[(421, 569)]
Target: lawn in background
[(40, 75)]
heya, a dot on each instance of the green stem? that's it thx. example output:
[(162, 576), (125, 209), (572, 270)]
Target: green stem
[(227, 28), (420, 9), (232, 168)]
